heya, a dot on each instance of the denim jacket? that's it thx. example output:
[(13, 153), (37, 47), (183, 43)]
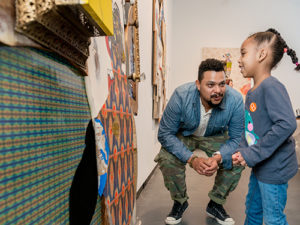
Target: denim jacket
[(182, 115)]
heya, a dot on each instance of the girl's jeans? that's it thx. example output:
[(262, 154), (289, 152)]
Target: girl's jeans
[(265, 202)]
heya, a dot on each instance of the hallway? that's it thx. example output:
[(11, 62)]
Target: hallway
[(154, 202)]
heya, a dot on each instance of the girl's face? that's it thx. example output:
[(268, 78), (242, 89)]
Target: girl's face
[(248, 60)]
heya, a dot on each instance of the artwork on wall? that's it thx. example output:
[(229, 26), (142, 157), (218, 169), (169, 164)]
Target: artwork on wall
[(230, 56), (112, 59), (44, 115), (117, 119), (64, 26), (159, 59), (132, 51), (109, 95)]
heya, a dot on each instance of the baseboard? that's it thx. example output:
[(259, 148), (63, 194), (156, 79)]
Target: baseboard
[(145, 182)]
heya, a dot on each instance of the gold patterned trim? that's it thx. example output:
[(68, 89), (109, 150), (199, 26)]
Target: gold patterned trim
[(64, 26)]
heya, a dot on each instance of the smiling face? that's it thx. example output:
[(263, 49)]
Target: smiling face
[(212, 88), (248, 60)]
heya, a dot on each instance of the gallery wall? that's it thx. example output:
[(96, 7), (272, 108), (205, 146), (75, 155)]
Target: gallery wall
[(226, 24), (146, 128)]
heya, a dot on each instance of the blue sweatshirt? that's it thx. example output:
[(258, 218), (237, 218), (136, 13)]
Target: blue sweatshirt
[(267, 145)]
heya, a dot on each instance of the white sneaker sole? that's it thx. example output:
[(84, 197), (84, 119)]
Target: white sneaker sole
[(170, 220), (230, 222)]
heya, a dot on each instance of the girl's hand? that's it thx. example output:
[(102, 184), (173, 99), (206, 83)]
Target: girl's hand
[(237, 159)]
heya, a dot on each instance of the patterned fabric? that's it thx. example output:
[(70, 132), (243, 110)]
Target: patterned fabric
[(102, 153), (118, 122), (43, 118), (173, 169)]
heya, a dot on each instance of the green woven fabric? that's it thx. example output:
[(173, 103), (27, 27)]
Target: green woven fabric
[(44, 113)]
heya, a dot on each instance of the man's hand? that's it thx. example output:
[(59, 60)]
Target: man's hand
[(237, 159), (213, 166), (200, 164), (204, 166)]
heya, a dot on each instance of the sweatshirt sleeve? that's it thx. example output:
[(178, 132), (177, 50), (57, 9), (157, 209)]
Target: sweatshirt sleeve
[(279, 110), (169, 126), (235, 130)]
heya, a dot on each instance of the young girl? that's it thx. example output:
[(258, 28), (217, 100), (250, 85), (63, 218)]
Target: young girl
[(267, 146)]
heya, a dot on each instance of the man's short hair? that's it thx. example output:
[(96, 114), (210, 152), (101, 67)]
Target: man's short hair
[(210, 65)]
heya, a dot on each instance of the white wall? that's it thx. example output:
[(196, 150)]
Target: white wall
[(146, 128), (227, 23)]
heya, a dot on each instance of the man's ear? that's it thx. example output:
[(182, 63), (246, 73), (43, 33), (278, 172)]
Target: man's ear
[(198, 84), (262, 54)]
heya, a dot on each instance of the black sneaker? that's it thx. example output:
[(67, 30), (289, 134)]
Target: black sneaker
[(175, 215), (217, 212)]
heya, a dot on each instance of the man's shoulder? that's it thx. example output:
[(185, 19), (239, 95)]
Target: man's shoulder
[(233, 95), (234, 98)]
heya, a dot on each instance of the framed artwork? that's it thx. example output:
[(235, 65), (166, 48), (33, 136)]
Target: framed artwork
[(132, 52), (159, 59), (230, 56)]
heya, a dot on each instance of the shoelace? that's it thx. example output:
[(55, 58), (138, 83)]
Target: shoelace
[(176, 208), (222, 211)]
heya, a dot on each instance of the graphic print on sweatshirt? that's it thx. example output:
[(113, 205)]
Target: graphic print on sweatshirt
[(250, 136)]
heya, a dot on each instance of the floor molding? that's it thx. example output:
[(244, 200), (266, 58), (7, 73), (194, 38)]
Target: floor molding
[(145, 182)]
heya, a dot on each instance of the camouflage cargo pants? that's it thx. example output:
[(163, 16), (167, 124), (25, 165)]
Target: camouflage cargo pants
[(173, 169)]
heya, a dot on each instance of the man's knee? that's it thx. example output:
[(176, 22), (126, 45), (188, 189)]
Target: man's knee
[(169, 164), (164, 157)]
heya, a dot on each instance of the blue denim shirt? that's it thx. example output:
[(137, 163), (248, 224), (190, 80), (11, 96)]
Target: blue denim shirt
[(182, 115)]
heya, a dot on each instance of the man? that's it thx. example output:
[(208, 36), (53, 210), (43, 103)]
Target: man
[(206, 115)]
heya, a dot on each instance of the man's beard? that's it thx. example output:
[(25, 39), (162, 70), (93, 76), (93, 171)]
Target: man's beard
[(213, 96)]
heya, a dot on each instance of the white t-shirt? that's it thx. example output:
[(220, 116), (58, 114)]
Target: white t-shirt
[(204, 118)]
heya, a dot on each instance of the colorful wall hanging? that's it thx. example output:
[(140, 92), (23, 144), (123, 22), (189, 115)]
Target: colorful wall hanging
[(118, 122), (44, 114), (107, 65)]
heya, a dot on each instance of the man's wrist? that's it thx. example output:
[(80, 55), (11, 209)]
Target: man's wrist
[(217, 155), (191, 160)]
